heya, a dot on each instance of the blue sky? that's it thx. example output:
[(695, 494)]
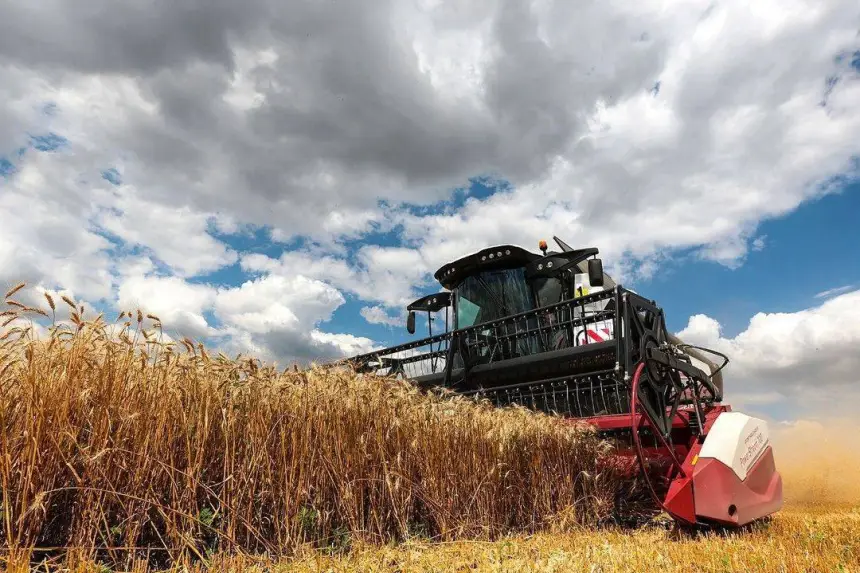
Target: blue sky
[(809, 251)]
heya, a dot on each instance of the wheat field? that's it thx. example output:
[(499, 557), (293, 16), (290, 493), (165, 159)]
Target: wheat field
[(121, 449), (122, 444)]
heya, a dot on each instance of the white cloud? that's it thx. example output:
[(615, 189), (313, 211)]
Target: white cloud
[(277, 302), (174, 233), (178, 304), (389, 275), (276, 317), (378, 315), (807, 358), (759, 243), (834, 291), (45, 230), (701, 329), (639, 128), (344, 344), (273, 317), (530, 92)]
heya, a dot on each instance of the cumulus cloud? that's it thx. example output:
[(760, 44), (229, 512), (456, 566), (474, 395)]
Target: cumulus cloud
[(390, 275), (48, 235), (176, 235), (179, 305), (270, 302), (378, 315), (806, 358), (640, 128), (402, 102), (273, 317)]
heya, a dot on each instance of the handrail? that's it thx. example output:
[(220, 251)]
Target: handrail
[(579, 301)]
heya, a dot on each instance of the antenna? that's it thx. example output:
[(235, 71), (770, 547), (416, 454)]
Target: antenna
[(565, 248)]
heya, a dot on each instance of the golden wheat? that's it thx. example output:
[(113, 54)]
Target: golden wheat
[(14, 289), (116, 445)]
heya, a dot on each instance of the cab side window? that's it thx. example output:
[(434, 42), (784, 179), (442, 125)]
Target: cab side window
[(548, 290)]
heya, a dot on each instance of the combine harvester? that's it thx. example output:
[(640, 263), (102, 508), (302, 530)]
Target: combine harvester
[(553, 333)]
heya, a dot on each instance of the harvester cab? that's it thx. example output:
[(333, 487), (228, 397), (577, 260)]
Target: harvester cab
[(553, 332)]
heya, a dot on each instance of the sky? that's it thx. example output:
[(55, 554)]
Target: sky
[(280, 179)]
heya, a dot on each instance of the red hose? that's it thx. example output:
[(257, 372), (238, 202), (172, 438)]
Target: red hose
[(635, 422)]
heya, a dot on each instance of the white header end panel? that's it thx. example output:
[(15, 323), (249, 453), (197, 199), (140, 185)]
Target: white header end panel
[(737, 440)]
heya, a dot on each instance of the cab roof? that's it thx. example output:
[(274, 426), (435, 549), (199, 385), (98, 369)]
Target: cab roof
[(499, 257)]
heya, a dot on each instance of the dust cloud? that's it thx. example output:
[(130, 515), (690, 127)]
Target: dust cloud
[(819, 461)]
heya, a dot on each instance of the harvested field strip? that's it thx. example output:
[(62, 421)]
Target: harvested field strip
[(801, 538), (110, 437)]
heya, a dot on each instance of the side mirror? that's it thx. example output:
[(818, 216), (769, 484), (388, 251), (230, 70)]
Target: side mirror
[(595, 272), (410, 322)]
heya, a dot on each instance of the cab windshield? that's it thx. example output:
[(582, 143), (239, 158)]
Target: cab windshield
[(491, 295)]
